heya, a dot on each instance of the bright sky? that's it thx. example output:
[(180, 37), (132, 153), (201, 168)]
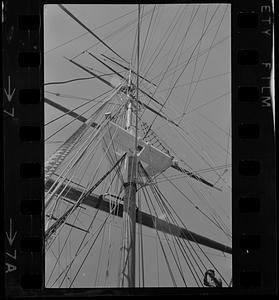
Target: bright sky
[(205, 103)]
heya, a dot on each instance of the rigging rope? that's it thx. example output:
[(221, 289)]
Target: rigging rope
[(186, 260), (186, 228), (79, 36), (79, 209), (162, 247), (69, 181), (61, 220), (170, 92), (210, 48), (58, 157), (89, 227), (124, 27), (195, 66), (89, 30)]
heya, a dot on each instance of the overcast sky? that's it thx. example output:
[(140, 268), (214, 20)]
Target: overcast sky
[(206, 123)]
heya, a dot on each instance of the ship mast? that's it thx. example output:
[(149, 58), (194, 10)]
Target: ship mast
[(130, 186), (128, 210)]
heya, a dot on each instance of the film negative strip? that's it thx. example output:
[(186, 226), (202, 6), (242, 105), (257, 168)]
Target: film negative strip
[(33, 172)]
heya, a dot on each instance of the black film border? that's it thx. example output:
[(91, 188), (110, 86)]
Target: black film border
[(254, 205)]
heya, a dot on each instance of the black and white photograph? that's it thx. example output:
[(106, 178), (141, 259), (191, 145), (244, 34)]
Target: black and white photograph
[(137, 139)]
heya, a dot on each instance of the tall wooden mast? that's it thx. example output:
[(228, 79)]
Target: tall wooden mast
[(129, 207)]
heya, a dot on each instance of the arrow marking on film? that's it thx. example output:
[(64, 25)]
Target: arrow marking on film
[(11, 237), (9, 95)]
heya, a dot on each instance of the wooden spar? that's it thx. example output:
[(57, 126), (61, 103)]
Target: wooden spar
[(51, 231), (68, 111), (90, 72), (110, 68), (100, 202), (68, 224), (89, 30), (109, 84), (190, 174), (119, 64)]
